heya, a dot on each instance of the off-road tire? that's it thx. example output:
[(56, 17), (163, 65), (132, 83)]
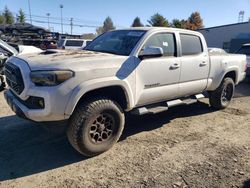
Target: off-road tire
[(218, 99), (84, 122)]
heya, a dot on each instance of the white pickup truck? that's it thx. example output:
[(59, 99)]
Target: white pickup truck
[(142, 70)]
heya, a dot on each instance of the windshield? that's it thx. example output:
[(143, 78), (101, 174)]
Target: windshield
[(8, 48), (120, 42), (244, 50)]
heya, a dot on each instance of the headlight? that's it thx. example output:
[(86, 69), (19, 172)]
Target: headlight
[(50, 78)]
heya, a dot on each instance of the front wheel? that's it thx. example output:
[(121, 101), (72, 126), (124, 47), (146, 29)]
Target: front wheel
[(222, 96), (95, 126)]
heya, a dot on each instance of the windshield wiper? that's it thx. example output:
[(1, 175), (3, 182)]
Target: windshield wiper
[(102, 51)]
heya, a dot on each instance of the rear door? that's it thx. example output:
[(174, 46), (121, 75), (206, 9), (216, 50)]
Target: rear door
[(194, 65)]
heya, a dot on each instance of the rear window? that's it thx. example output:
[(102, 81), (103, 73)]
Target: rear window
[(77, 43), (190, 44), (244, 50)]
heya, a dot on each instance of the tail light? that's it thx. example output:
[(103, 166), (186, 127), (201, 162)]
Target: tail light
[(63, 47)]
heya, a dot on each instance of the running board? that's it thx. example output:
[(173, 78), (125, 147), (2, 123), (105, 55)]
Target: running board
[(165, 106)]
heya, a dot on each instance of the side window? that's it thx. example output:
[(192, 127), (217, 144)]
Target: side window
[(190, 44), (77, 43), (164, 40)]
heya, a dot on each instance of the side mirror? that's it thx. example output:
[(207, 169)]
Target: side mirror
[(151, 52)]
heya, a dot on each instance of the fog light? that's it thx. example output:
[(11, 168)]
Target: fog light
[(41, 103)]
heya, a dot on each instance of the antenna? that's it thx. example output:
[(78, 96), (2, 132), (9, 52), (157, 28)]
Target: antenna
[(71, 25), (241, 16)]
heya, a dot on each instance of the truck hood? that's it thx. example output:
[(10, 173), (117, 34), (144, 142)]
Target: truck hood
[(73, 60)]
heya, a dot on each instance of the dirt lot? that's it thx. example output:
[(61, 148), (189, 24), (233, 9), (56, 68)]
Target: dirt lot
[(188, 146)]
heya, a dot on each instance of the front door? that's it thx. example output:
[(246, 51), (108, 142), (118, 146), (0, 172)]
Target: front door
[(157, 78)]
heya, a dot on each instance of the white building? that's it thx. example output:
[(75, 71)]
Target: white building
[(229, 37)]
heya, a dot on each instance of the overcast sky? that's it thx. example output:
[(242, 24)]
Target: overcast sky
[(93, 12)]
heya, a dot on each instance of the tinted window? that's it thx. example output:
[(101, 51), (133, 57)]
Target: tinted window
[(77, 43), (164, 40), (190, 44), (244, 50)]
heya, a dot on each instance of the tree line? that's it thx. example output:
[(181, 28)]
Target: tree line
[(6, 17), (193, 22)]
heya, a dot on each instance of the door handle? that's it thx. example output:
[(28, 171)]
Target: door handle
[(204, 63), (174, 66)]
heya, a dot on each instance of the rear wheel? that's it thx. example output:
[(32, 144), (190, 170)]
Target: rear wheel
[(222, 96), (95, 126)]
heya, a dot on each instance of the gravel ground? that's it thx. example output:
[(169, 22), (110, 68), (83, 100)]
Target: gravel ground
[(187, 146)]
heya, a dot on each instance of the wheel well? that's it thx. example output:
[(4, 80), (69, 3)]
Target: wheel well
[(232, 75), (115, 93)]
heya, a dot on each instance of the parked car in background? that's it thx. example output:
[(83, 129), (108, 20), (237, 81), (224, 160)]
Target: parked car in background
[(73, 44), (245, 49), (7, 51), (48, 45), (20, 28)]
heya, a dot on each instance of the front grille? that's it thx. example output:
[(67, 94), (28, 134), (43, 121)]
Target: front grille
[(14, 77)]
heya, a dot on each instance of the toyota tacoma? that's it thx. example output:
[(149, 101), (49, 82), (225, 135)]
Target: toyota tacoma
[(141, 70)]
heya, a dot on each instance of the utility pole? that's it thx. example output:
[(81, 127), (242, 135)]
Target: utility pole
[(30, 11), (71, 25), (61, 7), (48, 14), (241, 16)]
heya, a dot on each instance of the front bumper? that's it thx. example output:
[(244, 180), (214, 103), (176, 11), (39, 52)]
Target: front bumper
[(38, 115), (15, 105), (20, 99)]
